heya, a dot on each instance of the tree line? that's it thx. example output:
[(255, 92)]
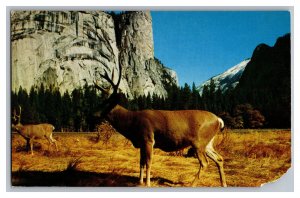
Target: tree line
[(74, 111)]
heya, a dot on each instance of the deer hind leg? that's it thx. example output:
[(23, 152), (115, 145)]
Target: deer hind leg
[(203, 164), (31, 145), (53, 141), (217, 158)]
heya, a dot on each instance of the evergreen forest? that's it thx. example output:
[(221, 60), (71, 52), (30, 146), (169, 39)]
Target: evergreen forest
[(75, 111)]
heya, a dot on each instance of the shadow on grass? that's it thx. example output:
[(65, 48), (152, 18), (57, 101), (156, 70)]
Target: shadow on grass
[(77, 178), (70, 178)]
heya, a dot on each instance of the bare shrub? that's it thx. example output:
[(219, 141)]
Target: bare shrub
[(105, 132), (259, 151), (73, 164), (262, 150)]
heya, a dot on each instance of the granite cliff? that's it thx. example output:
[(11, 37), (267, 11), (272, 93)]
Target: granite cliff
[(69, 49)]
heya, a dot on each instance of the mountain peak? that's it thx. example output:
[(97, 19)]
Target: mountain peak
[(229, 78)]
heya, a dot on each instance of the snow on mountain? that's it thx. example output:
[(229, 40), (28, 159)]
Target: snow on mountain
[(228, 78)]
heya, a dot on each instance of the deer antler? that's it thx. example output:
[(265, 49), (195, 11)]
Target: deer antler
[(113, 98), (102, 89), (17, 117), (106, 77), (14, 115), (110, 81)]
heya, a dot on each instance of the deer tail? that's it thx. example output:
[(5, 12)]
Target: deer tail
[(221, 122)]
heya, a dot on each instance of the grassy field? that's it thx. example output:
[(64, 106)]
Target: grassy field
[(252, 158)]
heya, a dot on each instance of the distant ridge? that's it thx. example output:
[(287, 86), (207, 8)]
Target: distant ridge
[(230, 78)]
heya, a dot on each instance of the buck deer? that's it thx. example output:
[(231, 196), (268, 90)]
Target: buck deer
[(166, 130), (30, 132)]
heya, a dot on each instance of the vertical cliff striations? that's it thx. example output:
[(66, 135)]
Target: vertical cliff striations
[(144, 74), (69, 49)]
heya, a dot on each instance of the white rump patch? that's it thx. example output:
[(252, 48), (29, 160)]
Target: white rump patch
[(221, 122)]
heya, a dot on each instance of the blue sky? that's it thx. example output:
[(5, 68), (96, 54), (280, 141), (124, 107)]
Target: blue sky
[(201, 44)]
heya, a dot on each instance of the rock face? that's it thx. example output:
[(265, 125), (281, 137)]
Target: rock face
[(270, 66), (69, 49), (143, 73)]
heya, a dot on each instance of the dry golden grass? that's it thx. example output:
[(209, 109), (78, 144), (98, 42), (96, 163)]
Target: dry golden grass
[(252, 158)]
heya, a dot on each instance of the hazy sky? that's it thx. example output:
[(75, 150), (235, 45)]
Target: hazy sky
[(201, 44)]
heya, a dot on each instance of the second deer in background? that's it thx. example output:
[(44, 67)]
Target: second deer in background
[(30, 132)]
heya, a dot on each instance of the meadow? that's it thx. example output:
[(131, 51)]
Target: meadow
[(251, 159)]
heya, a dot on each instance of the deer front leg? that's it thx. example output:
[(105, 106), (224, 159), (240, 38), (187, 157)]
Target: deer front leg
[(149, 154), (142, 164), (31, 146), (27, 144), (203, 162)]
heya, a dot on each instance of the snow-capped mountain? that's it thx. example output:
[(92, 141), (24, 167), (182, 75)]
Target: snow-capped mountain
[(228, 78)]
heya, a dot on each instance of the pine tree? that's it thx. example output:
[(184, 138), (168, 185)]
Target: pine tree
[(91, 105), (185, 101), (205, 98), (66, 112), (195, 98), (77, 106), (23, 101), (33, 106), (57, 102)]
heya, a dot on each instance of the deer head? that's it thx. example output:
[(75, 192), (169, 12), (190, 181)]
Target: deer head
[(16, 119)]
